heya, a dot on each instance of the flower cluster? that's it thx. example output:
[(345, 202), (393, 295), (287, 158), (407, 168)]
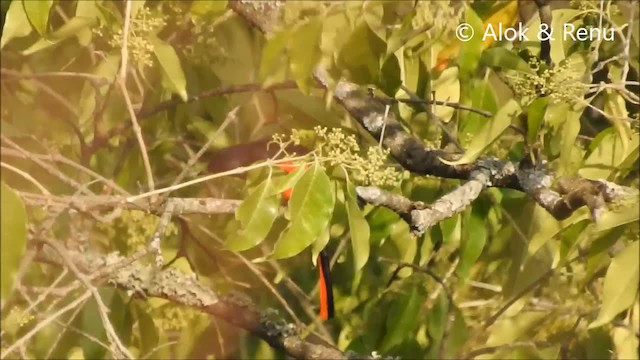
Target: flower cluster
[(561, 83), (143, 24), (337, 149), (172, 317), (138, 227)]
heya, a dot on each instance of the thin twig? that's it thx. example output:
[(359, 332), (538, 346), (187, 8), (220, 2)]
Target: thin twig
[(27, 177), (231, 117), (41, 325), (238, 170), (52, 157), (52, 170), (119, 348), (122, 82)]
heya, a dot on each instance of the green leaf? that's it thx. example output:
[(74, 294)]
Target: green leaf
[(470, 51), (609, 154), (620, 285), (148, 334), (288, 181), (319, 245), (482, 97), (361, 55), (511, 329), (535, 118), (311, 206), (189, 337), (304, 52), (626, 342), (402, 319), (171, 68), (501, 57), (446, 88), (359, 230), (70, 28), (16, 23), (204, 8), (569, 160), (38, 14), (405, 243), (13, 236), (273, 54), (257, 214), (92, 325), (489, 133), (381, 222), (624, 213), (474, 238)]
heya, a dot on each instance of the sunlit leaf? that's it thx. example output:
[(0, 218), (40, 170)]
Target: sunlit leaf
[(273, 54), (38, 14), (619, 214), (470, 51), (447, 89), (304, 52), (489, 133), (608, 155), (204, 8), (16, 23), (405, 243), (535, 118), (311, 206), (500, 57), (361, 55), (508, 330), (358, 228), (171, 68), (474, 238), (257, 213), (70, 28), (626, 343), (620, 285)]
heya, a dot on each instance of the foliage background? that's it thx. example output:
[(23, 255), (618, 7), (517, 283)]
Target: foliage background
[(518, 283)]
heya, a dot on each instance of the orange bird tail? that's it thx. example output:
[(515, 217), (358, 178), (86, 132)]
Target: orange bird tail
[(326, 290)]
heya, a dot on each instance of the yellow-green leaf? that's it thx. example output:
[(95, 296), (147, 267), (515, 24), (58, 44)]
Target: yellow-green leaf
[(405, 243), (204, 8), (359, 230), (16, 23), (13, 236), (470, 51), (304, 52), (70, 28), (361, 55), (620, 285), (273, 55), (171, 68), (402, 318), (257, 214), (489, 133), (311, 206), (38, 14), (473, 239)]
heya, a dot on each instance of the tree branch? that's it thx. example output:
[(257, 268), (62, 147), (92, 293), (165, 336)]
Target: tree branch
[(420, 159), (183, 289)]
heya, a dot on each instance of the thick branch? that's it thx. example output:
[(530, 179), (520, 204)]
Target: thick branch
[(181, 206), (420, 159), (183, 289)]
